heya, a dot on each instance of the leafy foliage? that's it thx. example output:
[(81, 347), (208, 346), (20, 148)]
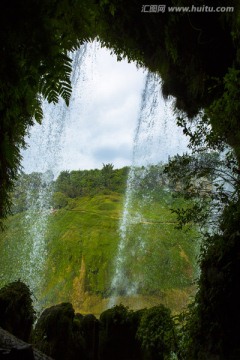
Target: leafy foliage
[(33, 67), (156, 332), (69, 184), (212, 322), (90, 182), (63, 334), (188, 65), (209, 180), (209, 329), (224, 111)]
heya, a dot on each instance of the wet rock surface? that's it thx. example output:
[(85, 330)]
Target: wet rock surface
[(12, 348)]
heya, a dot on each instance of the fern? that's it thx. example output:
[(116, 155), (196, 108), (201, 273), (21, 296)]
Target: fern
[(58, 82), (65, 91), (38, 112)]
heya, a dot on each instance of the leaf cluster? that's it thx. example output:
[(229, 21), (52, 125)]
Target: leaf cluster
[(36, 38), (187, 64), (156, 332), (209, 179)]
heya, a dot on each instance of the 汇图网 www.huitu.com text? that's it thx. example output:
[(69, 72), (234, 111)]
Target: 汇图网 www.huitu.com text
[(185, 9)]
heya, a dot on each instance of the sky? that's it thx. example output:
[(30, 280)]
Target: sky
[(100, 124)]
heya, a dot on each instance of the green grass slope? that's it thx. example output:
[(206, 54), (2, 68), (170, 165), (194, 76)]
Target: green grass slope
[(82, 241), (81, 246)]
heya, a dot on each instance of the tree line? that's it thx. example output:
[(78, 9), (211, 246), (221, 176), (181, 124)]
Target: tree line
[(186, 177), (68, 184)]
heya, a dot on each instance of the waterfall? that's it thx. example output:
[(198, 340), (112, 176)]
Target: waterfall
[(49, 152), (44, 156), (47, 156), (153, 144)]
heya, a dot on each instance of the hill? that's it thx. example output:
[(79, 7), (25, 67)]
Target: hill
[(80, 247)]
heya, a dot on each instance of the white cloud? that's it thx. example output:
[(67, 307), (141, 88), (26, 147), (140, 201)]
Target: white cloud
[(99, 125)]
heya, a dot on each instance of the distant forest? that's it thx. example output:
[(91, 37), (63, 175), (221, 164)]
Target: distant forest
[(78, 183)]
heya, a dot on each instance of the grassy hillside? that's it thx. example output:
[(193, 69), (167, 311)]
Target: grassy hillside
[(81, 245), (82, 241)]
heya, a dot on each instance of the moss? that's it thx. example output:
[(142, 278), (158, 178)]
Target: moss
[(156, 333), (16, 311), (90, 331), (118, 328), (58, 335), (86, 232)]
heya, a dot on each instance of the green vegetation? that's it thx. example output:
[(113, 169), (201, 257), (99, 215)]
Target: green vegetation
[(209, 327), (117, 336), (81, 245), (16, 310), (69, 185), (156, 332), (58, 334), (83, 235), (120, 333)]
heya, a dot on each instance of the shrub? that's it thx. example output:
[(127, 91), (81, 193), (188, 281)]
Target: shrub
[(117, 338), (156, 333), (16, 310), (58, 334)]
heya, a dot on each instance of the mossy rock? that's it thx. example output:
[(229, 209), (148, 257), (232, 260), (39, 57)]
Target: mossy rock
[(156, 333), (58, 334), (16, 310), (89, 326), (117, 337)]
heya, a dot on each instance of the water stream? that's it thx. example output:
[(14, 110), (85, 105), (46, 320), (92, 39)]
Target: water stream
[(156, 138), (45, 153)]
